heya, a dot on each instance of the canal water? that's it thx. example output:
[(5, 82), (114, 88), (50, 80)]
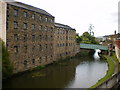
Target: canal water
[(81, 72)]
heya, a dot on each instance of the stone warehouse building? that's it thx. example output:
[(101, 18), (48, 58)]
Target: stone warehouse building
[(31, 36), (65, 44)]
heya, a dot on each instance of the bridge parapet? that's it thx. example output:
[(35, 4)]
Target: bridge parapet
[(93, 46)]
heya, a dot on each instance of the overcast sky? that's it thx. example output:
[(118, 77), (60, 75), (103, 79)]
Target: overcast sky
[(78, 14)]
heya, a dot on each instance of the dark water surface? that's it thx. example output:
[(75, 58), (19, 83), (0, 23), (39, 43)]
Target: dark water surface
[(74, 73)]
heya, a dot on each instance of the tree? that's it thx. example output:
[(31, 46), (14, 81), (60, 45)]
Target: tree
[(78, 38), (7, 67), (88, 39)]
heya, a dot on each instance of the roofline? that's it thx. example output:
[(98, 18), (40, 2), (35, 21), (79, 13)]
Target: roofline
[(9, 2), (65, 25)]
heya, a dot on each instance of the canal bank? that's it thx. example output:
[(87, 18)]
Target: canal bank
[(78, 72), (110, 79)]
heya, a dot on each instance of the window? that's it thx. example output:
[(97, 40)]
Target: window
[(24, 37), (51, 45), (15, 25), (51, 20), (46, 58), (16, 49), (46, 37), (40, 27), (33, 47), (15, 12), (40, 47), (33, 16), (33, 61), (40, 59), (33, 27), (46, 19), (66, 44), (25, 47), (25, 62), (15, 37), (46, 28), (40, 37), (24, 25), (66, 37), (46, 45), (33, 37), (40, 18), (24, 14)]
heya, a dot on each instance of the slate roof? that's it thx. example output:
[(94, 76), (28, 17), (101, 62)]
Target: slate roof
[(29, 7), (63, 26)]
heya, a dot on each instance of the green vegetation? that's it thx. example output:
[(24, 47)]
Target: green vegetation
[(37, 68), (111, 68), (7, 67), (86, 38), (115, 58)]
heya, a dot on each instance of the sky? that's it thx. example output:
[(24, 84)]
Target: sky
[(79, 14)]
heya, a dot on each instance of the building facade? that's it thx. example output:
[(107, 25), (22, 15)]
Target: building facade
[(65, 44), (31, 36)]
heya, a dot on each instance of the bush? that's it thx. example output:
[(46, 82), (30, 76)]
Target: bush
[(7, 67)]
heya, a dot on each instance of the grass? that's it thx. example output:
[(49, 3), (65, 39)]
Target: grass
[(115, 58), (109, 73)]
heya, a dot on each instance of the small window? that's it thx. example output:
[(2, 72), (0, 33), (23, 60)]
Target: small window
[(15, 12), (33, 27), (24, 37), (16, 49), (40, 18), (40, 59), (40, 47), (46, 19), (51, 20), (40, 37), (15, 37), (46, 58), (25, 62), (25, 47), (24, 25), (46, 28), (40, 27), (33, 47), (46, 45), (33, 61), (15, 25), (24, 14), (46, 37), (33, 16), (33, 37)]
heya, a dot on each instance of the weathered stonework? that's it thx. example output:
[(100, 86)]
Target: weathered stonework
[(31, 36)]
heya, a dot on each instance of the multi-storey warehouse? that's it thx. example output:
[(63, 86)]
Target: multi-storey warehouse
[(31, 36)]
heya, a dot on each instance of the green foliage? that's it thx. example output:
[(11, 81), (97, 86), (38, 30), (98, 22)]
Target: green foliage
[(38, 68), (78, 39), (88, 39), (7, 67)]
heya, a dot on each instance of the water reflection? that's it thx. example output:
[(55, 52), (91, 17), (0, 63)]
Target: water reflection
[(74, 73)]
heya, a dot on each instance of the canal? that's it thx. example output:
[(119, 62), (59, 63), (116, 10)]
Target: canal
[(81, 72)]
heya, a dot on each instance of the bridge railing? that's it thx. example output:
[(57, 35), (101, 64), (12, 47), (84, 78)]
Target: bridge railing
[(93, 46)]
